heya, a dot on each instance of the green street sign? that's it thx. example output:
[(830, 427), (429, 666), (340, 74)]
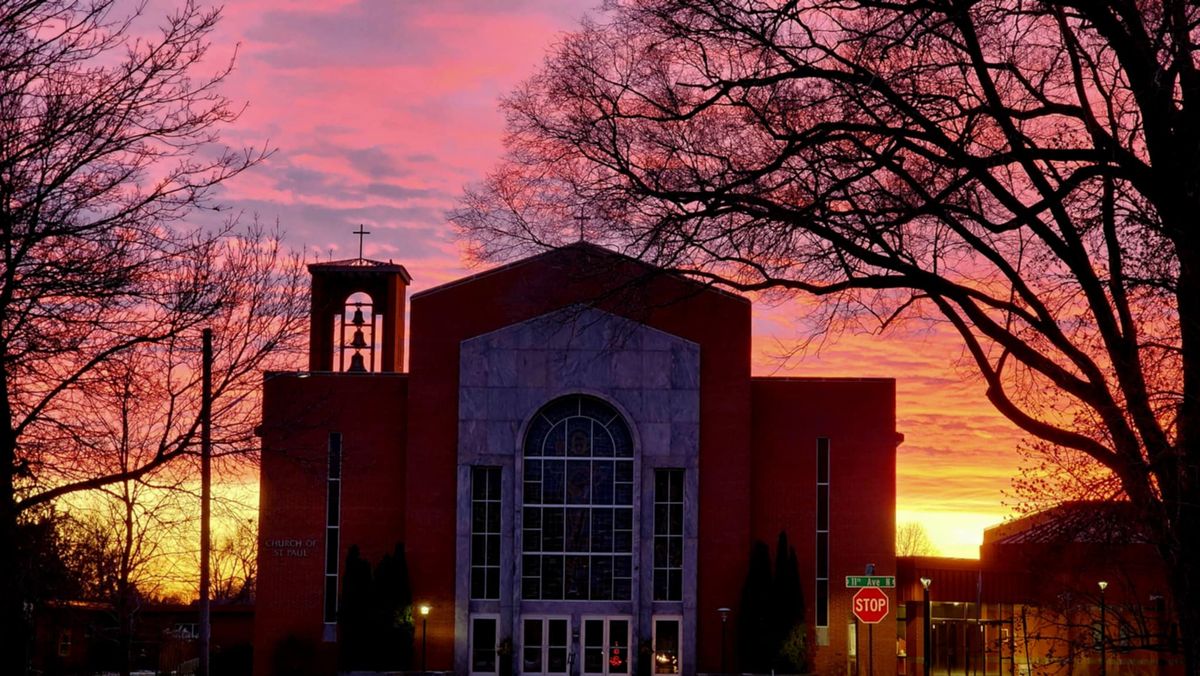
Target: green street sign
[(856, 581)]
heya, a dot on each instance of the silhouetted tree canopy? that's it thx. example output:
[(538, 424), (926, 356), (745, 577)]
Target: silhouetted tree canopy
[(756, 643), (375, 620), (109, 142), (1027, 173), (771, 610)]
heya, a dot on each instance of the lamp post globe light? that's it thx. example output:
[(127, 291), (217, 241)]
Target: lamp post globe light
[(928, 642), (1103, 648), (724, 620), (424, 609)]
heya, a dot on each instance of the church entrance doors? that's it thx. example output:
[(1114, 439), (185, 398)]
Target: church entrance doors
[(545, 645), (566, 646), (606, 645)]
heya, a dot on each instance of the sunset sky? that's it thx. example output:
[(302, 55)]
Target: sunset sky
[(382, 111)]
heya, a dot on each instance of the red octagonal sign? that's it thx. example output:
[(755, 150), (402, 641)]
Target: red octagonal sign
[(870, 605)]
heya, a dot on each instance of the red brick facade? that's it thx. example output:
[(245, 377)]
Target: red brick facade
[(401, 476)]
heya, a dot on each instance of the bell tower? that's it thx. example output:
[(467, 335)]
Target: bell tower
[(357, 319)]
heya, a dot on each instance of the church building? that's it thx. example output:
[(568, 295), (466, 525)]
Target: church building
[(577, 461)]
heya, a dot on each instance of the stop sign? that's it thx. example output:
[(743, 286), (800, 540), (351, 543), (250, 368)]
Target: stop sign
[(870, 605)]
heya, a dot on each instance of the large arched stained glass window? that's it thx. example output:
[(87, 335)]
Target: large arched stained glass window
[(577, 520)]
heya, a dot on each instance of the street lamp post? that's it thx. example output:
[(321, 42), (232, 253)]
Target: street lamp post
[(925, 656), (424, 608), (1103, 648), (724, 619)]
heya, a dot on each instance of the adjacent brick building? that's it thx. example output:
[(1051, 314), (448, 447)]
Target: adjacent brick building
[(577, 461), (1075, 589)]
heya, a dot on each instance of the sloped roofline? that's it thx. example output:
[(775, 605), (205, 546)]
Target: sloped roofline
[(1072, 520), (579, 246)]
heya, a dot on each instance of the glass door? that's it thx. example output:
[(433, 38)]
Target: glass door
[(544, 645), (606, 645)]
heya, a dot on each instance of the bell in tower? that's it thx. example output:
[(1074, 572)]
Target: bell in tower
[(357, 322), (359, 342)]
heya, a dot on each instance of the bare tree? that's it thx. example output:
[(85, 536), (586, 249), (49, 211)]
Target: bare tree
[(913, 540), (108, 141), (1026, 172), (235, 563)]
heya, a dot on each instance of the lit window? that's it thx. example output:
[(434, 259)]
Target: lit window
[(667, 644), (577, 515), (606, 645)]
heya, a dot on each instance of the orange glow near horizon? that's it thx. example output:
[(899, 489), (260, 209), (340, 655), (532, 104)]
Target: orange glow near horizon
[(959, 454)]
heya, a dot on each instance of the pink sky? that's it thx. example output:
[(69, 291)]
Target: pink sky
[(382, 110)]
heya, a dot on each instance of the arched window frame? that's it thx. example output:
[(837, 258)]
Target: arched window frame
[(578, 501)]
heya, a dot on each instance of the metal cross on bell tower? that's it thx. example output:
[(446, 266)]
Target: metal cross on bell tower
[(360, 232)]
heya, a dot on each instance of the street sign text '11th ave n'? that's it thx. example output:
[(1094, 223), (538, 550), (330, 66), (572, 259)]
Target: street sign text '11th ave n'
[(856, 581)]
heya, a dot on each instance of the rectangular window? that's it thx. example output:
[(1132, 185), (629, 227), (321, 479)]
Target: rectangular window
[(333, 511), (544, 646), (606, 645), (822, 567), (483, 644), (667, 653), (485, 532), (668, 535)]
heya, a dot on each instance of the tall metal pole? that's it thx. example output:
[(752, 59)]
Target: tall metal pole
[(871, 649), (926, 658), (724, 619), (424, 609), (1103, 651), (857, 650), (205, 497)]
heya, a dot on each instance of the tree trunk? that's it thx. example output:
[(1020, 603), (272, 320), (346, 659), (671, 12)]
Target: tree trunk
[(14, 657), (1184, 573), (124, 592), (12, 612)]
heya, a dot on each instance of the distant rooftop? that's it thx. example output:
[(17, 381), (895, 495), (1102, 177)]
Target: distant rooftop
[(1078, 521)]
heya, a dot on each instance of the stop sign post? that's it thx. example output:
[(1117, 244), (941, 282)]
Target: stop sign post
[(870, 605)]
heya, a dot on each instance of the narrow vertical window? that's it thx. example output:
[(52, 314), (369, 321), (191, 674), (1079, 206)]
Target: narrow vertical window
[(822, 602), (64, 643), (668, 535), (333, 512), (485, 533), (483, 645)]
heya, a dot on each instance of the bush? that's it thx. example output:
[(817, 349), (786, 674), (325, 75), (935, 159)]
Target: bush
[(794, 651)]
